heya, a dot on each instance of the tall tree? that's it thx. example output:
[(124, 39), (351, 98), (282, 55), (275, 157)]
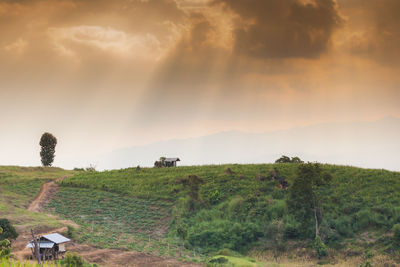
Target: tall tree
[(304, 199), (48, 148)]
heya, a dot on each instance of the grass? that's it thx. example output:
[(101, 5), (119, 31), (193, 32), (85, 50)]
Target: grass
[(161, 183), (111, 220), (142, 209), (236, 205), (18, 187), (12, 263)]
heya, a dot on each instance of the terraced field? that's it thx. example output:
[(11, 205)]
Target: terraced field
[(110, 220)]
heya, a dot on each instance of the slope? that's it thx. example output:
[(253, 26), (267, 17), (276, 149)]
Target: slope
[(237, 203)]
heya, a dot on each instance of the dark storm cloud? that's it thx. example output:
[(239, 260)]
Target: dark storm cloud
[(283, 28)]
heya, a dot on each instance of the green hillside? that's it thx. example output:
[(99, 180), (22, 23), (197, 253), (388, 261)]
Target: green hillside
[(222, 210), (18, 187), (235, 209)]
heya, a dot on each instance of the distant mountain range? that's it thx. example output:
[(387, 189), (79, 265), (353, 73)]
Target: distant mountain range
[(364, 144)]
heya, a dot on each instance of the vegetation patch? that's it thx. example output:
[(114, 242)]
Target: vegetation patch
[(230, 261), (236, 206), (18, 187), (110, 220)]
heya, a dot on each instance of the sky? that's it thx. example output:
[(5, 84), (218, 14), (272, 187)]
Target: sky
[(103, 75)]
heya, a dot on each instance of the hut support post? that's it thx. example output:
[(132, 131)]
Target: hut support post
[(36, 248)]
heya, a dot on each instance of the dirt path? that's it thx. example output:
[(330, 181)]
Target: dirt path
[(104, 257), (47, 191)]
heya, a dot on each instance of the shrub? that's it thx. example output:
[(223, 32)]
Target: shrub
[(364, 219), (343, 226), (72, 259), (228, 252), (235, 206), (214, 197), (217, 261), (320, 248), (5, 247), (218, 234), (9, 231), (291, 228)]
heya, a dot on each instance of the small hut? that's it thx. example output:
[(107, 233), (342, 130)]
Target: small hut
[(171, 162), (51, 246)]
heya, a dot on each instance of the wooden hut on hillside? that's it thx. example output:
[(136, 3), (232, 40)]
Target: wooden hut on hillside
[(51, 247), (171, 162)]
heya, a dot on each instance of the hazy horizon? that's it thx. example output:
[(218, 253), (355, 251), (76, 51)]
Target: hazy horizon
[(365, 144), (107, 75)]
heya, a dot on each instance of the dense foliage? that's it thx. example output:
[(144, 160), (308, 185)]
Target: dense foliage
[(48, 148), (8, 230), (72, 259), (234, 205), (5, 246), (304, 200)]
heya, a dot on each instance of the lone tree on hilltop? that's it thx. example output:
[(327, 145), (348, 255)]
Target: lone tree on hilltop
[(48, 148)]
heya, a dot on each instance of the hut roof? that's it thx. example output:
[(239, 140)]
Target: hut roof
[(56, 238), (172, 159), (48, 241)]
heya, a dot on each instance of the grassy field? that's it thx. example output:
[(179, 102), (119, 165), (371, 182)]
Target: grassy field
[(142, 209), (18, 187), (12, 263), (237, 202), (110, 220)]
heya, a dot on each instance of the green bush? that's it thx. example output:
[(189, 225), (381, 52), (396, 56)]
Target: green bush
[(73, 260), (320, 248), (215, 235), (9, 231), (364, 219), (214, 197), (291, 229), (5, 247), (344, 226), (218, 262)]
